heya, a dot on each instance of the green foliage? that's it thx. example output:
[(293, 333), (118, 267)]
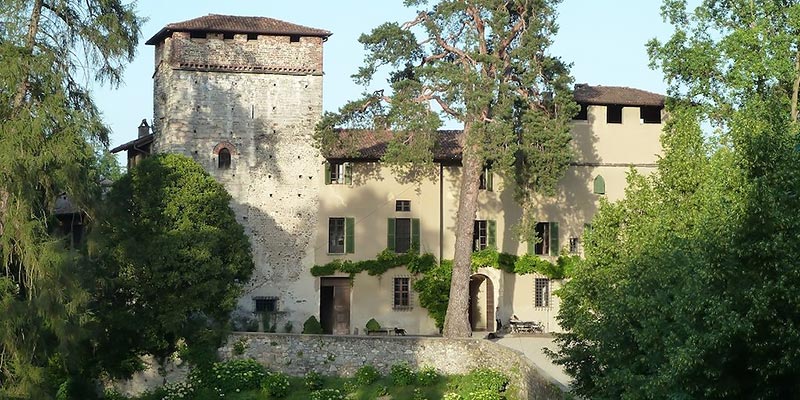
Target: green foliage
[(367, 375), (312, 326), (383, 262), (172, 258), (235, 375), (373, 325), (485, 65), (313, 380), (428, 376), (49, 132), (484, 383), (434, 291), (402, 374), (178, 391), (240, 346), (327, 394), (689, 286), (275, 385)]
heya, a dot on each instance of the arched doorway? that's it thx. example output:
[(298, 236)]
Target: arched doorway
[(481, 303)]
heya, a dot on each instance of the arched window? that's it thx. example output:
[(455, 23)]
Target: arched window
[(599, 185), (224, 158)]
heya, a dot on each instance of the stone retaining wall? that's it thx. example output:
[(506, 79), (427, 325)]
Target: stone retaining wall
[(343, 355)]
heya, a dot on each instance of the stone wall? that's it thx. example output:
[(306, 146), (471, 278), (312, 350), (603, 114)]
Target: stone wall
[(343, 355)]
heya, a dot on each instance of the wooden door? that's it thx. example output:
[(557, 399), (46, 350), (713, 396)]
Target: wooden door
[(341, 310)]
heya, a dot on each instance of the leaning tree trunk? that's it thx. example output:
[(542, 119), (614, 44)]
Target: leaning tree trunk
[(456, 321)]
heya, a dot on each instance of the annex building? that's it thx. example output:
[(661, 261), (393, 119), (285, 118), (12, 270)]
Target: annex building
[(241, 96)]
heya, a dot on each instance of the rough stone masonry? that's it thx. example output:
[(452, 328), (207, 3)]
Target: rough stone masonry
[(259, 97)]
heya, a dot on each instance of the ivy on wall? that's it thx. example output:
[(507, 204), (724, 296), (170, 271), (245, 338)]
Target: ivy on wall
[(434, 285)]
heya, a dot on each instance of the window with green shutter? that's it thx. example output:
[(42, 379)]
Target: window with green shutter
[(546, 240), (599, 185), (402, 234), (484, 234), (338, 173), (350, 237)]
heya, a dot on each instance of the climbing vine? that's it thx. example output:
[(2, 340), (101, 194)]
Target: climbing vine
[(434, 285)]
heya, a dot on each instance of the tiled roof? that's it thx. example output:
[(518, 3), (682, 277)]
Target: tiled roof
[(237, 24), (604, 95), (141, 141), (371, 145)]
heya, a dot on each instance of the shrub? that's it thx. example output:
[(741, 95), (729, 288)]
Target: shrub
[(484, 380), (367, 375), (312, 326), (227, 377), (240, 346), (402, 375), (452, 396), (275, 385), (313, 381), (288, 327), (178, 390), (373, 325), (327, 394), (427, 376)]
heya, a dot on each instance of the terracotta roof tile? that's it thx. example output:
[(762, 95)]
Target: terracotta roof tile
[(237, 24), (604, 95), (371, 145)]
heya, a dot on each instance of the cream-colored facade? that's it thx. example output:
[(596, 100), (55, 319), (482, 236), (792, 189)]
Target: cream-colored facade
[(241, 95), (603, 149)]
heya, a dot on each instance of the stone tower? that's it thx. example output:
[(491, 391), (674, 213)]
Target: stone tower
[(241, 95)]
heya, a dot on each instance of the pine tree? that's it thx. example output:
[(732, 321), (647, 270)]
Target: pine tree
[(485, 65)]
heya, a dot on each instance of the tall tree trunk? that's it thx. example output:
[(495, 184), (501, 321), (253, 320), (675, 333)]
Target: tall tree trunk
[(30, 41), (456, 321), (796, 87)]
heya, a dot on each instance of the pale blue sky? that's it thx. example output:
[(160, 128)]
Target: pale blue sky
[(604, 39)]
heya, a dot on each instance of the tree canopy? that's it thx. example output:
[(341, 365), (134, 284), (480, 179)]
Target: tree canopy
[(50, 128), (689, 288), (170, 260), (485, 65)]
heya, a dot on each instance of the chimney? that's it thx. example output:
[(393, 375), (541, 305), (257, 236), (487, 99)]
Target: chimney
[(144, 129)]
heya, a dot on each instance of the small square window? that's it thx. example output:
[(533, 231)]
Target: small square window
[(403, 205), (294, 38), (402, 293), (613, 114), (583, 113), (650, 114), (266, 304), (574, 245)]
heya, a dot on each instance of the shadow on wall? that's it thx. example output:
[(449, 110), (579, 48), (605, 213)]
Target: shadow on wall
[(272, 175)]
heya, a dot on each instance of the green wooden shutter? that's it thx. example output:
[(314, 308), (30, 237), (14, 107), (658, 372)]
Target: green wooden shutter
[(390, 234), (554, 238), (349, 235), (599, 185), (415, 235), (327, 173), (348, 173), (491, 233), (489, 175)]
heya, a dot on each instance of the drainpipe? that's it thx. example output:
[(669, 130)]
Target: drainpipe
[(441, 212)]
